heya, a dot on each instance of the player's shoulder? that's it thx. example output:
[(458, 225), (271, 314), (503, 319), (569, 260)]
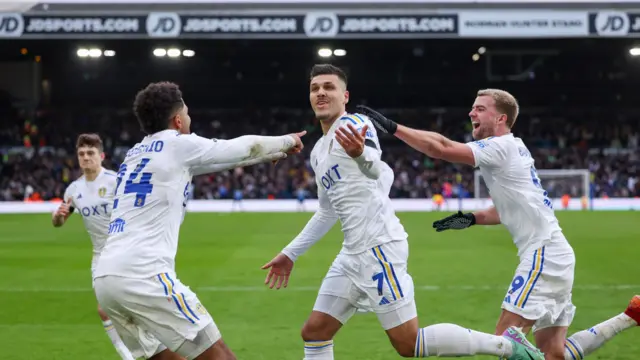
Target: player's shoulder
[(109, 176), (77, 182), (359, 121), (110, 173), (75, 186), (499, 142), (183, 141), (355, 119)]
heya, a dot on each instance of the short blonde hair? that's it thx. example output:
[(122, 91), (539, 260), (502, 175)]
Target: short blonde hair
[(505, 103)]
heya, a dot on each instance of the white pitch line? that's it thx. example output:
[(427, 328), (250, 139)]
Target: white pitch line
[(316, 288)]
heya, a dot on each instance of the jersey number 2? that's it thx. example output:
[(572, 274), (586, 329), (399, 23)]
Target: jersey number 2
[(141, 188)]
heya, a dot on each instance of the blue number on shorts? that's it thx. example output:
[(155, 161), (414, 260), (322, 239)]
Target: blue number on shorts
[(121, 172), (379, 277), (141, 188), (516, 284), (536, 182)]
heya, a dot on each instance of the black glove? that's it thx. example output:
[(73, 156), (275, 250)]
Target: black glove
[(456, 221), (380, 121)]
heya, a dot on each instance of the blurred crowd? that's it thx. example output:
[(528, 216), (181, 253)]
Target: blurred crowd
[(38, 155)]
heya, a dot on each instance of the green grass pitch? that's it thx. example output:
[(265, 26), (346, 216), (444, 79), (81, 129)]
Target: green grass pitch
[(48, 307)]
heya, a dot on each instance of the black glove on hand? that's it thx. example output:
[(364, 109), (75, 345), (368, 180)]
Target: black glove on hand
[(380, 121), (457, 221)]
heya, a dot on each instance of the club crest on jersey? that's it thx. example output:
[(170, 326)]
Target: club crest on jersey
[(102, 191)]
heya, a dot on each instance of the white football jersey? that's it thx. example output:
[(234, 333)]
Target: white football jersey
[(507, 168), (361, 204), (151, 195), (92, 200)]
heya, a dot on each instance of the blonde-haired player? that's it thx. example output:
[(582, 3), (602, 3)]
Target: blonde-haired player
[(370, 272), (539, 296), (91, 196)]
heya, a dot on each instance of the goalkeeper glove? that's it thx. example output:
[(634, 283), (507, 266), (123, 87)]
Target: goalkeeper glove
[(456, 221), (380, 121)]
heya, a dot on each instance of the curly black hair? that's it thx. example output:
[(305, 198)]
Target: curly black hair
[(156, 104)]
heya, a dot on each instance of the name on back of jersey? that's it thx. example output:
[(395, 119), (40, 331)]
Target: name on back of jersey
[(154, 146)]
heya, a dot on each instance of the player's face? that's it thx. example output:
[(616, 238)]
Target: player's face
[(90, 158), (328, 96), (182, 120), (485, 117)]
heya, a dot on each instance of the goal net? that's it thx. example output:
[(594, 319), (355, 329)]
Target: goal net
[(557, 183)]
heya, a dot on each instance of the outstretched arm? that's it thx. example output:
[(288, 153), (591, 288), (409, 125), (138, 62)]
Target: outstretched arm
[(487, 217), (459, 221), (427, 142), (436, 146), (280, 267), (317, 227), (213, 168), (201, 154)]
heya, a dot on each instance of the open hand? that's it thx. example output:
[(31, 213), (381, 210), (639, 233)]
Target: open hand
[(279, 270), (352, 140)]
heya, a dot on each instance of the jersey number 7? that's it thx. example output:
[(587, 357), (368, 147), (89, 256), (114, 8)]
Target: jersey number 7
[(141, 188)]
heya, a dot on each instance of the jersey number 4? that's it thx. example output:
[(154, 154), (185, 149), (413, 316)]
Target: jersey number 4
[(141, 188)]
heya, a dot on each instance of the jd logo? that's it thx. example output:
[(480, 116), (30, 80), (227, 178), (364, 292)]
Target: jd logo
[(11, 25), (164, 25)]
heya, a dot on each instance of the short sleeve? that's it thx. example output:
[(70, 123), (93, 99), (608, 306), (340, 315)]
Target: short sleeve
[(489, 152)]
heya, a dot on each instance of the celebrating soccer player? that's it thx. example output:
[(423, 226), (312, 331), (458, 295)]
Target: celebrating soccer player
[(539, 296), (92, 195), (135, 281), (370, 272)]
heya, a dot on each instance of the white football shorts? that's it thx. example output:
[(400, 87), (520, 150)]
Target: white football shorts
[(148, 313), (541, 288), (375, 280)]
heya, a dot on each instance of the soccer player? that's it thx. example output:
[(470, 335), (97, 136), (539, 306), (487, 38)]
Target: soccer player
[(539, 297), (135, 281), (370, 272), (91, 195)]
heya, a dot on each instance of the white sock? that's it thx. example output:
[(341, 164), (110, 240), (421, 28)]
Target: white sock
[(585, 342), (122, 350), (318, 350), (452, 340)]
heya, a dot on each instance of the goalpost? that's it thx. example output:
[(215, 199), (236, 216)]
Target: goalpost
[(557, 182)]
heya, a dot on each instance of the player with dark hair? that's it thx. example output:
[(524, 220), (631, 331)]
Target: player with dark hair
[(136, 283), (370, 272), (91, 196)]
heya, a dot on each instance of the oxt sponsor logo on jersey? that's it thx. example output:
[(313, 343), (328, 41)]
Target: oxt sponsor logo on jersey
[(94, 210), (331, 176)]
